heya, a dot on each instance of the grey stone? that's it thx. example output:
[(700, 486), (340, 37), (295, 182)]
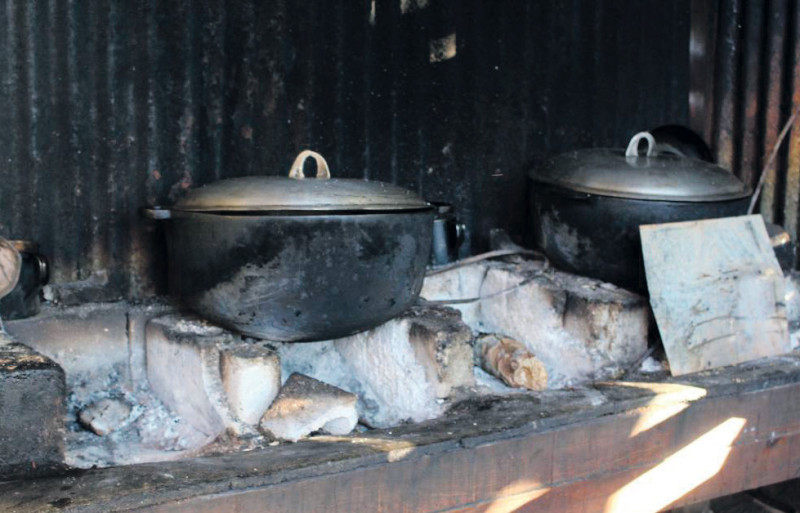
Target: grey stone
[(105, 416), (305, 405), (32, 406)]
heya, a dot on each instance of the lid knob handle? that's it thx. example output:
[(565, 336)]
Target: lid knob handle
[(296, 171), (633, 146)]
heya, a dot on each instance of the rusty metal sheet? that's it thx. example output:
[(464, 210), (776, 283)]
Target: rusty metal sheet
[(111, 105), (744, 86)]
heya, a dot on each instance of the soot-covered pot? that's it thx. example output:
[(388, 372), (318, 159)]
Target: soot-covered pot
[(298, 258), (586, 206)]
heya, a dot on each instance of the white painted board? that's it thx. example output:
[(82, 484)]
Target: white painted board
[(716, 290)]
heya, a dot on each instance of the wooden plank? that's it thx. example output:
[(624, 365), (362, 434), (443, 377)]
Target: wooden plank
[(716, 290), (516, 475), (557, 451), (490, 478)]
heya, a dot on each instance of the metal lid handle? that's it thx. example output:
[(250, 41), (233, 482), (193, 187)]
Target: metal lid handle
[(633, 146), (296, 172)]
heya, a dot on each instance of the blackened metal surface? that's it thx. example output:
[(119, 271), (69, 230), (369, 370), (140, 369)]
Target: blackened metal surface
[(111, 105), (598, 236), (745, 83), (299, 277)]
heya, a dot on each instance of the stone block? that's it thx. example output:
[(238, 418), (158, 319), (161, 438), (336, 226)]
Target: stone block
[(403, 370), (581, 329), (305, 405), (32, 406), (183, 369), (251, 377), (87, 341)]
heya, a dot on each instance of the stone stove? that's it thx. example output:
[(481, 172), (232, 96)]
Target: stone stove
[(145, 383)]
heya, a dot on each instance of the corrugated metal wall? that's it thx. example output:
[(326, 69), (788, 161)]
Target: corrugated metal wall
[(745, 83), (110, 105)]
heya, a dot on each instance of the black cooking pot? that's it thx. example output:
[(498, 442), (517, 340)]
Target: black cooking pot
[(296, 259), (587, 205)]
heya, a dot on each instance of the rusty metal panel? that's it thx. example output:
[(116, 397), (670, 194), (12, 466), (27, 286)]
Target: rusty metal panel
[(745, 84), (111, 105)]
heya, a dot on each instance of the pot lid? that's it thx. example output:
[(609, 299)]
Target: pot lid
[(298, 192), (649, 176)]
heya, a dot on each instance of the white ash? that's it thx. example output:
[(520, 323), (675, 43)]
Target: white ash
[(650, 365), (150, 433), (105, 416)]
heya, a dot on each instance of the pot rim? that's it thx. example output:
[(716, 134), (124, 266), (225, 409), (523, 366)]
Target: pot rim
[(653, 198), (162, 213), (632, 174)]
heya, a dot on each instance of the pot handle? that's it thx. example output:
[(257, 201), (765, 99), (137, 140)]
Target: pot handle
[(633, 146), (296, 171), (43, 267)]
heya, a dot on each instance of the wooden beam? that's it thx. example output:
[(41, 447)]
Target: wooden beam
[(579, 468), (619, 447)]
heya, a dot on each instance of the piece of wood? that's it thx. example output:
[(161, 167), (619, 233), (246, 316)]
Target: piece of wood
[(564, 451), (10, 266), (509, 361), (716, 290)]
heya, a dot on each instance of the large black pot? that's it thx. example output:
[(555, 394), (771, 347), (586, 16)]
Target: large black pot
[(297, 259), (586, 206)]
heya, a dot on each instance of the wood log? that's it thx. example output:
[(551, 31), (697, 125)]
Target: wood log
[(508, 360), (10, 265)]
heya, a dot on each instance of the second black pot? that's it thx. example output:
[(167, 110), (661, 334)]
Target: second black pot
[(598, 236), (586, 207)]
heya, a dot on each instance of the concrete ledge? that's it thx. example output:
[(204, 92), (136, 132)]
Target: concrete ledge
[(32, 406)]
